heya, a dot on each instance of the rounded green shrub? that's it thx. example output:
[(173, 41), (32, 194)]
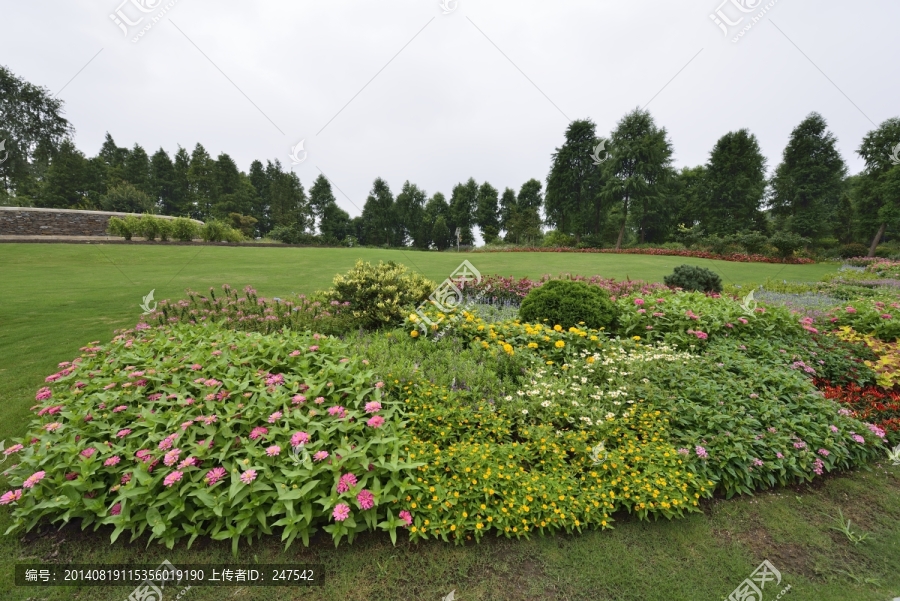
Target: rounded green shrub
[(854, 249), (568, 303), (380, 294), (184, 229), (694, 278)]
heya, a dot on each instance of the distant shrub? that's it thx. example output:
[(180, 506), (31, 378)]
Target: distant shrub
[(150, 227), (556, 239), (219, 231), (568, 303), (854, 249), (292, 234), (126, 198), (380, 294), (165, 228), (753, 242), (787, 242), (694, 278), (184, 229)]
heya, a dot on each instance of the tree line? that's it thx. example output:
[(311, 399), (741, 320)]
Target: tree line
[(600, 191)]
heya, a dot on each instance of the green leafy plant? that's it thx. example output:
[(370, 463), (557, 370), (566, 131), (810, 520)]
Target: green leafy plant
[(196, 430), (380, 294), (693, 278), (786, 243), (185, 229), (843, 526), (568, 303), (150, 226)]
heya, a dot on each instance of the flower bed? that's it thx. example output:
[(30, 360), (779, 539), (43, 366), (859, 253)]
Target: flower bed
[(695, 254), (196, 430), (875, 404)]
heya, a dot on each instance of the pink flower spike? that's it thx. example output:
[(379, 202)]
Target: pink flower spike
[(248, 476), (273, 450), (341, 512)]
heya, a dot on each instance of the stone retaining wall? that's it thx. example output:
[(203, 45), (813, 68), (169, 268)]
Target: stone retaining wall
[(23, 221)]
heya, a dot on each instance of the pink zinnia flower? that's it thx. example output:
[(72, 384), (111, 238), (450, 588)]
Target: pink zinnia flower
[(341, 512), (375, 422), (187, 424), (298, 398), (144, 455), (115, 509), (743, 320), (112, 461), (196, 367), (366, 499), (850, 310), (346, 482), (172, 478), (779, 455), (126, 478), (34, 479), (189, 462), (295, 353), (71, 476), (13, 449), (248, 476), (406, 517), (638, 301), (379, 384), (275, 417), (120, 408), (45, 393), (11, 497), (299, 438), (53, 426), (123, 433), (258, 432), (321, 455), (319, 400), (215, 474), (338, 411), (171, 457), (273, 450), (373, 407), (313, 349), (88, 452), (166, 443)]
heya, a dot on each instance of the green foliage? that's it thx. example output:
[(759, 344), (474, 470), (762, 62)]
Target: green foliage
[(219, 231), (683, 319), (290, 234), (126, 198), (568, 303), (759, 425), (788, 242), (243, 223), (185, 229), (694, 278), (734, 185), (380, 295), (753, 242), (150, 227), (122, 448), (854, 249), (558, 239)]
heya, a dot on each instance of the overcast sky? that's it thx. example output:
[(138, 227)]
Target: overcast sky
[(400, 90)]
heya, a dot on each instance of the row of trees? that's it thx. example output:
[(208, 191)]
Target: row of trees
[(631, 183), (617, 189)]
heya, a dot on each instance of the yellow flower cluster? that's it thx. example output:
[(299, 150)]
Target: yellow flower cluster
[(486, 469), (887, 366)]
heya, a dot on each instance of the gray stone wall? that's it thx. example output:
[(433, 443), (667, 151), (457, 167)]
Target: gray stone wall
[(22, 221)]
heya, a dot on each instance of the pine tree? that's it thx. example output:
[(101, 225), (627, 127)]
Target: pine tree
[(321, 198), (162, 183), (136, 170), (409, 211), (573, 202), (879, 187), (734, 186), (378, 220), (638, 173), (807, 185), (68, 182), (461, 216), (201, 179), (435, 207)]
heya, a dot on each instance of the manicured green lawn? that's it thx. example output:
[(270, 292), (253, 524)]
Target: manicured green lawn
[(55, 298)]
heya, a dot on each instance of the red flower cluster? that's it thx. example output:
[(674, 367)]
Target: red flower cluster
[(874, 404), (695, 254)]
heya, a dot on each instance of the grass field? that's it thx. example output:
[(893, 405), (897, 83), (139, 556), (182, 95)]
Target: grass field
[(55, 298)]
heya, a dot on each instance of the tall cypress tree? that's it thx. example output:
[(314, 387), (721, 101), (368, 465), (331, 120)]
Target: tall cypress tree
[(807, 185), (378, 223), (573, 202), (201, 178), (136, 170), (410, 218), (437, 208), (162, 183), (879, 187), (463, 201), (487, 213), (734, 186)]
